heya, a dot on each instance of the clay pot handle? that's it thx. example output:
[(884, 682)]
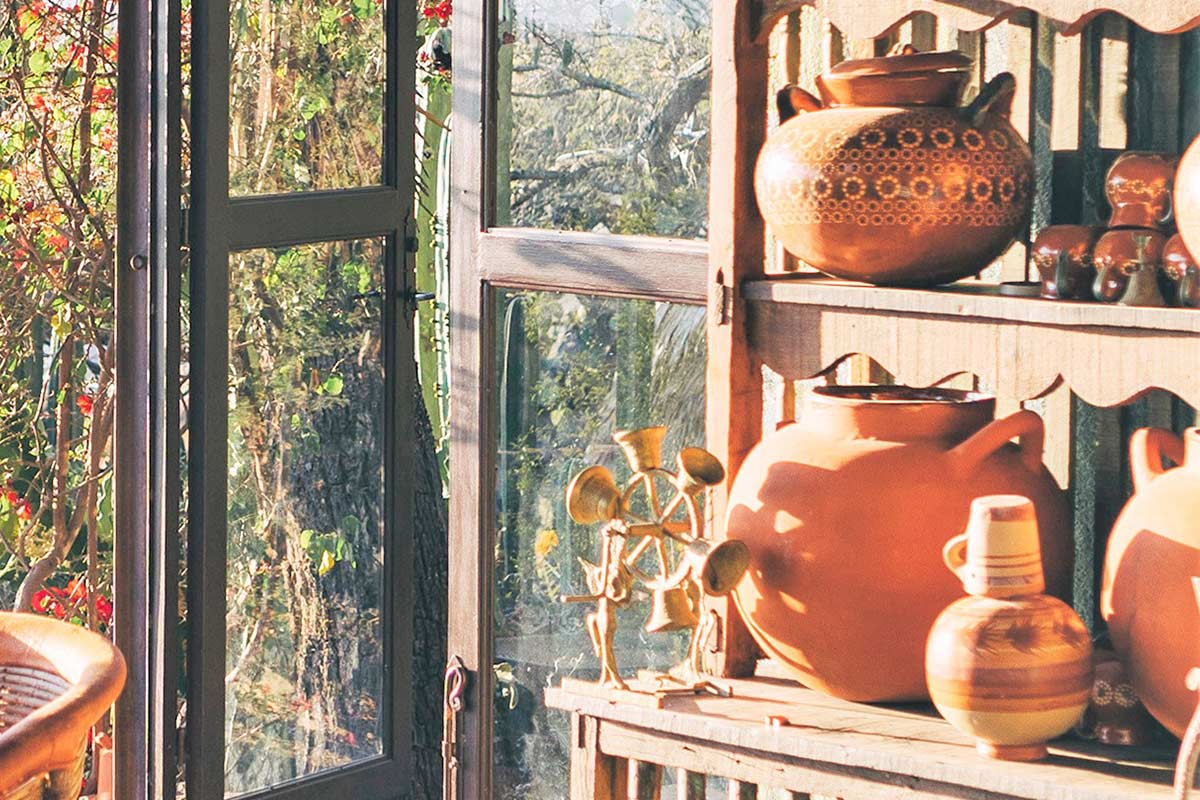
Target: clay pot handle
[(792, 100), (955, 554), (996, 97), (1025, 425), (1147, 448)]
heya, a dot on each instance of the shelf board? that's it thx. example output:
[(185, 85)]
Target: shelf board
[(1022, 347), (860, 19), (837, 748)]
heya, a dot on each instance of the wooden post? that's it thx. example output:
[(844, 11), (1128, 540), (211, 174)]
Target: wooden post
[(736, 253), (690, 785), (645, 781), (594, 776)]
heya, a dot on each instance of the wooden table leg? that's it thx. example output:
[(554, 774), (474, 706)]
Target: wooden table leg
[(594, 776)]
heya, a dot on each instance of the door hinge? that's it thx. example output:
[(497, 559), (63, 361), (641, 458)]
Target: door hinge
[(720, 304), (454, 703)]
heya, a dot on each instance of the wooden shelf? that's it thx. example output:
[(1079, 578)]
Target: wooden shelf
[(841, 749), (1020, 347), (863, 20)]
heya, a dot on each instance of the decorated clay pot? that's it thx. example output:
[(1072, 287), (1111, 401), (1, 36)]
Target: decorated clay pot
[(1063, 257), (845, 513), (1153, 552), (1122, 253), (887, 180), (1139, 187), (1187, 197), (1009, 666), (1182, 273)]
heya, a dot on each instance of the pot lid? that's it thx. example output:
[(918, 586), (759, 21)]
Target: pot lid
[(906, 61)]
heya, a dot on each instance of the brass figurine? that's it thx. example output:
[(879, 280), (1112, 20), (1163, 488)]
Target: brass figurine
[(678, 585)]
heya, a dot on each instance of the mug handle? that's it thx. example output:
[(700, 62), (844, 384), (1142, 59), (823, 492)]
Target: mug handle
[(955, 554), (792, 101), (1025, 425), (1147, 449)]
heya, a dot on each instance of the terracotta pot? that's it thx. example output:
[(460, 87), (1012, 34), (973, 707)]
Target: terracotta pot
[(1139, 188), (1072, 277), (890, 181), (1187, 197), (1122, 253), (845, 514), (1153, 552), (1182, 273), (1008, 666)]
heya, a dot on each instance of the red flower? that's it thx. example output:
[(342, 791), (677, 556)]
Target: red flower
[(11, 496), (85, 403), (102, 94), (104, 609), (441, 10), (40, 600), (24, 511)]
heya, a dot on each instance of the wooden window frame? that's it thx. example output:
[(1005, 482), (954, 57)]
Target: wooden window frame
[(484, 260)]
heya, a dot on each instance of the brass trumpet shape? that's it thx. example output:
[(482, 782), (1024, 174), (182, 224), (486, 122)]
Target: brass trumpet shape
[(698, 470), (672, 610), (593, 496), (642, 447)]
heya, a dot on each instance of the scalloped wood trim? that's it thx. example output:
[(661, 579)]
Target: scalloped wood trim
[(1105, 366), (863, 19)]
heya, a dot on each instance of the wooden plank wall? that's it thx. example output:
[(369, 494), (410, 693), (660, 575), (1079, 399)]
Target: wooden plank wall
[(1081, 101)]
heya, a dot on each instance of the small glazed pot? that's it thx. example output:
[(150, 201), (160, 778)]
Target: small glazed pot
[(1121, 253), (1139, 189), (1182, 272), (1063, 257), (1115, 715), (1007, 665)]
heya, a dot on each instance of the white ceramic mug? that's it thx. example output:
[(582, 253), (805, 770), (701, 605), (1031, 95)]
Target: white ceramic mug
[(1000, 554)]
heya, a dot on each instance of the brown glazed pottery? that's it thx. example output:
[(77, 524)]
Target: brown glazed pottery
[(846, 512), (1187, 197), (1121, 253), (888, 180), (1153, 553), (1008, 665), (1182, 273), (1115, 715), (1063, 257), (1139, 187)]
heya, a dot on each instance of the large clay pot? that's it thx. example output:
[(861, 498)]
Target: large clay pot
[(888, 180), (1187, 197), (846, 512), (1153, 553), (1008, 665)]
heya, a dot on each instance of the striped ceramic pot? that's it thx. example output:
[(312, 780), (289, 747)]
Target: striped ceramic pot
[(1012, 669)]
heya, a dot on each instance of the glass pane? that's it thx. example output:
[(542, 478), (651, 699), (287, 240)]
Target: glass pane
[(603, 116), (572, 370), (304, 681), (306, 95)]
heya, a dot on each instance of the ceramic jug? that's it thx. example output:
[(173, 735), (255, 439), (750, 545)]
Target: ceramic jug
[(1139, 190), (1153, 552), (1063, 257), (1127, 257), (887, 179), (1008, 665), (1182, 273), (845, 514)]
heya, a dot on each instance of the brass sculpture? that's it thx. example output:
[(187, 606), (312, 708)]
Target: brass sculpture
[(678, 584)]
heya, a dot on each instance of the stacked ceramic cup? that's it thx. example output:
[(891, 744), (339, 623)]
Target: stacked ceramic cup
[(1131, 261)]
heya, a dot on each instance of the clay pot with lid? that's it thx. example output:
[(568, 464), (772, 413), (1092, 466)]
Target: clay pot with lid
[(1153, 554), (846, 512), (1008, 665), (888, 179)]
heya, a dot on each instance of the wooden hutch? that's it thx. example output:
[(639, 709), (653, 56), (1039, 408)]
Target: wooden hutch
[(1077, 360)]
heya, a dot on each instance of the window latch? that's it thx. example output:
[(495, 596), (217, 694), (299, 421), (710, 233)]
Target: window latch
[(454, 703)]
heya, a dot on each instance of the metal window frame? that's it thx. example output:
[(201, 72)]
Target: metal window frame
[(221, 225), (483, 260)]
